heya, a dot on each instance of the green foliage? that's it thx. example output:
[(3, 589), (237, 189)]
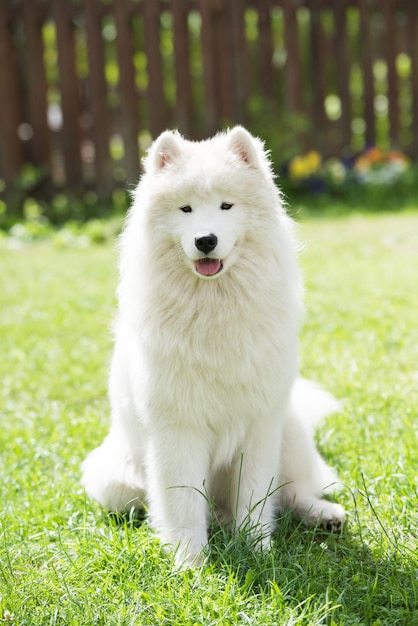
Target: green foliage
[(40, 219), (282, 131), (64, 561), (71, 234), (331, 197)]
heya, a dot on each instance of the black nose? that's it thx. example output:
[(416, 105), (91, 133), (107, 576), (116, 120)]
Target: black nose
[(206, 242)]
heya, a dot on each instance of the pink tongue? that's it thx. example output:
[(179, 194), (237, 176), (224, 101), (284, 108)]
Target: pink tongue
[(208, 267)]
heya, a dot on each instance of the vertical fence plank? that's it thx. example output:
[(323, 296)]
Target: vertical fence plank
[(239, 60), (158, 112), (11, 154), (36, 83), (210, 75), (217, 63), (222, 52), (412, 47), (367, 66), (70, 95), (98, 97), (266, 50), (293, 67), (128, 121), (184, 97), (318, 76), (342, 70), (390, 48)]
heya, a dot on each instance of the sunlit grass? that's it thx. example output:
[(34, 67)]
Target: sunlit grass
[(63, 561)]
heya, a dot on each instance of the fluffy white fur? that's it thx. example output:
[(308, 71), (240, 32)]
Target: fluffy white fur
[(203, 386)]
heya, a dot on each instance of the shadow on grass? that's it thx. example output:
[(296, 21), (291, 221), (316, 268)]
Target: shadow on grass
[(360, 585), (131, 519), (355, 578)]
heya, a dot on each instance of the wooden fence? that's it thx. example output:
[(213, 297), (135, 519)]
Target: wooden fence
[(86, 84)]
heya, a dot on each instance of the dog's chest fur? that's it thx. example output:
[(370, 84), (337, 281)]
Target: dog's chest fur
[(218, 355)]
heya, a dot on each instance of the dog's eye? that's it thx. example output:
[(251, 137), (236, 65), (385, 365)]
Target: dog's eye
[(225, 206), (186, 208)]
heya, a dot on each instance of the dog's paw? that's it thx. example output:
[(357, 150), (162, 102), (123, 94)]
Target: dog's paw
[(185, 560), (332, 517), (316, 512), (189, 552)]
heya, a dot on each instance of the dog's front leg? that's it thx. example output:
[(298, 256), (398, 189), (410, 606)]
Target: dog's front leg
[(177, 467), (254, 480)]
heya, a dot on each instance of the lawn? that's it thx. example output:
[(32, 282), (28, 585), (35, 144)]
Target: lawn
[(64, 561)]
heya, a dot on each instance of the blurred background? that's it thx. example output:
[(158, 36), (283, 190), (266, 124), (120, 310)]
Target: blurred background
[(331, 85)]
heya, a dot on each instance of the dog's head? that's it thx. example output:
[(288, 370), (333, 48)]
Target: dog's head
[(209, 199)]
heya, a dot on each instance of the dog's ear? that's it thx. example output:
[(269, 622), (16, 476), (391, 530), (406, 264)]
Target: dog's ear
[(165, 149), (243, 145)]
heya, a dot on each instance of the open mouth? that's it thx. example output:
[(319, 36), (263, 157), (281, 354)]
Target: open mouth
[(208, 267)]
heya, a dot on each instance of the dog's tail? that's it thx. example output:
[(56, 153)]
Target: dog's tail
[(303, 468), (313, 402)]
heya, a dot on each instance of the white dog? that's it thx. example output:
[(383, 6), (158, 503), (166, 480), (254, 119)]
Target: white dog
[(205, 399)]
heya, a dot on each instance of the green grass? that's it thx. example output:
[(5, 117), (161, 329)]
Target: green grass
[(63, 561)]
